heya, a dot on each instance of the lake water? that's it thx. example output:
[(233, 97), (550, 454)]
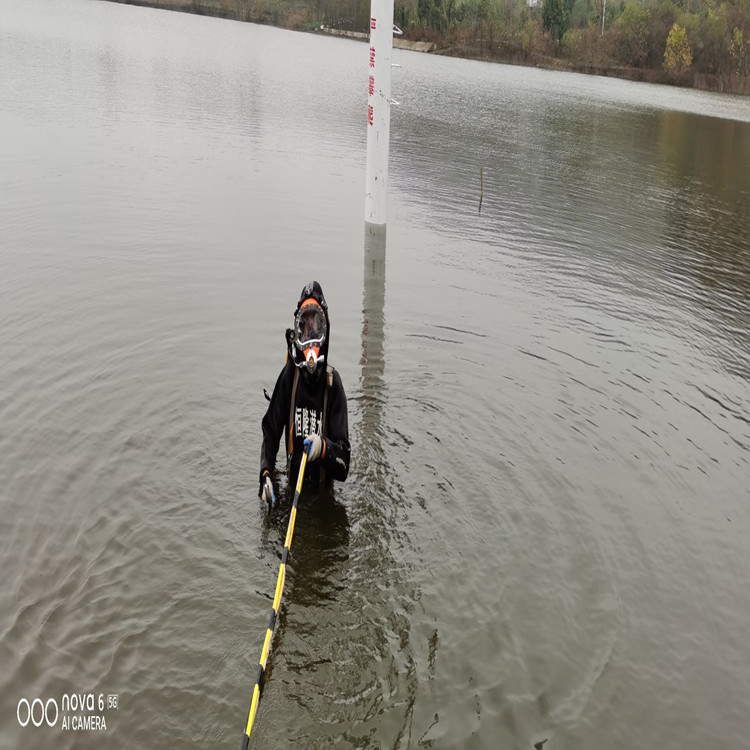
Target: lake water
[(544, 533)]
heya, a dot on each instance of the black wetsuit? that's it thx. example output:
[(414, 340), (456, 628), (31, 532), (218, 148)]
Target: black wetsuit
[(308, 417)]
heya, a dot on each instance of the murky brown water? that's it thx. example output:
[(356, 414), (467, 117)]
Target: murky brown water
[(544, 532)]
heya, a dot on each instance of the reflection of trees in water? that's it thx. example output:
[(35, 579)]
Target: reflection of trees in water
[(704, 164), (707, 163), (624, 199), (678, 185), (343, 661), (709, 150)]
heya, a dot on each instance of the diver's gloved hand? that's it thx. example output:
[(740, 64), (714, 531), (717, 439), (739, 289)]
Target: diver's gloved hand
[(315, 447), (266, 490)]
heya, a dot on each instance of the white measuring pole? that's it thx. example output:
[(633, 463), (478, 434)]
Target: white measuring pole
[(378, 110)]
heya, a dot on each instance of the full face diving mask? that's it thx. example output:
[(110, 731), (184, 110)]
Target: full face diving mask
[(310, 332)]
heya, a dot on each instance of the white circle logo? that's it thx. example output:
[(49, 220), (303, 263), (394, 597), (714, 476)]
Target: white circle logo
[(18, 712), (37, 712)]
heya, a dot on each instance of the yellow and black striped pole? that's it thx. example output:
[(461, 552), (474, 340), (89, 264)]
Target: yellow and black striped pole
[(275, 611)]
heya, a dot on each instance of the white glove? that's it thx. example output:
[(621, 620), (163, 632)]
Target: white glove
[(266, 491), (314, 447)]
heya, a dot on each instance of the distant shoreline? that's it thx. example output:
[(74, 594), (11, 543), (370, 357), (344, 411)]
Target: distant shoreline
[(232, 11)]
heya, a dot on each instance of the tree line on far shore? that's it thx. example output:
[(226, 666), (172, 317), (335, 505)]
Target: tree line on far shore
[(700, 43)]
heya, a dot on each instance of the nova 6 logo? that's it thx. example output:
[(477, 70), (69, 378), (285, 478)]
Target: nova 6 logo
[(79, 711)]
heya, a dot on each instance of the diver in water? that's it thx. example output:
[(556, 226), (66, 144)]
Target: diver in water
[(308, 403)]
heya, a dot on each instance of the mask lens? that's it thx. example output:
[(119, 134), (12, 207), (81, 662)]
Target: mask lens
[(310, 327)]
